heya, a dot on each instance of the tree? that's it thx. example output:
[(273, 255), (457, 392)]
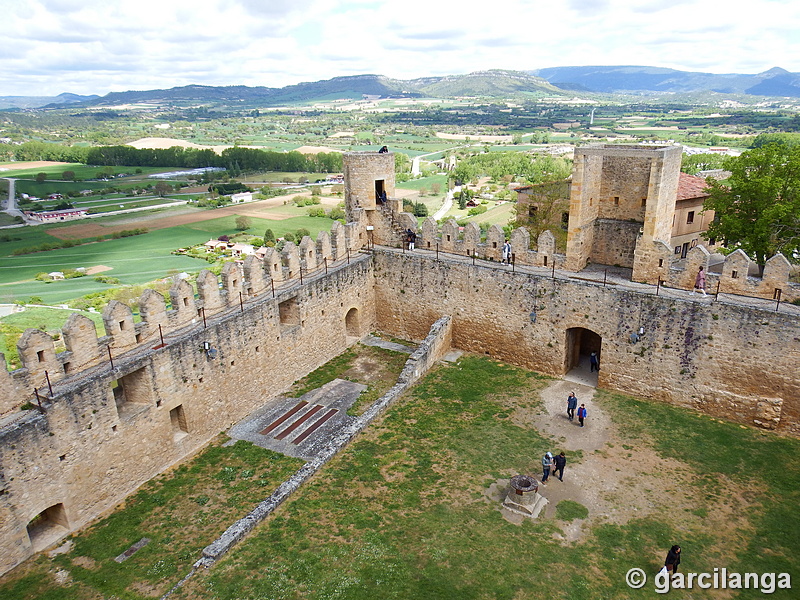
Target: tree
[(269, 236), (243, 223), (757, 208), (40, 177), (68, 175), (162, 188)]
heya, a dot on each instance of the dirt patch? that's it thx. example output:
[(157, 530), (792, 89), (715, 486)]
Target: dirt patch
[(85, 562), (617, 482), (31, 164), (98, 269), (251, 209)]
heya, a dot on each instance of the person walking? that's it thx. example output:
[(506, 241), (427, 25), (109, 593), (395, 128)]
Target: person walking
[(673, 559), (560, 462), (506, 253), (700, 282), (547, 464), (572, 404), (594, 363), (582, 414)]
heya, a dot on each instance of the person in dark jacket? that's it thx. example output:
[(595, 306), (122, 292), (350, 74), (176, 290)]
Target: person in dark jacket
[(560, 462), (572, 404), (673, 559)]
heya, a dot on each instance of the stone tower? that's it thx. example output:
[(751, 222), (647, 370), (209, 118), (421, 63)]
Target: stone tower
[(622, 202), (367, 176)]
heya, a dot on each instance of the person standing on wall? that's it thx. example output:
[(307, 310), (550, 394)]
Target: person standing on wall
[(506, 253), (572, 404), (582, 414), (700, 282), (411, 238)]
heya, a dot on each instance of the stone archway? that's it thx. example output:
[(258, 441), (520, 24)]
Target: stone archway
[(580, 343), (47, 527), (351, 323)]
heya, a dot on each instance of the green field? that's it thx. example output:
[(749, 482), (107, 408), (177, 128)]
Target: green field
[(133, 260)]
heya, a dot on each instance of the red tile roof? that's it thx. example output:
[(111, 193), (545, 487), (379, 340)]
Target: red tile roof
[(691, 186)]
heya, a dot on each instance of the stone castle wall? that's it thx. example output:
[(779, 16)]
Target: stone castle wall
[(174, 398), (109, 428), (733, 362)]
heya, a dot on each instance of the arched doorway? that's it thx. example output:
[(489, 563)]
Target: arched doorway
[(47, 527), (580, 343), (351, 323)]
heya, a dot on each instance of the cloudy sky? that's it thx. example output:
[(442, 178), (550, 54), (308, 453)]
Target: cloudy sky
[(99, 46)]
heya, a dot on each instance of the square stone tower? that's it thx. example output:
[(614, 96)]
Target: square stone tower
[(368, 176), (622, 201)]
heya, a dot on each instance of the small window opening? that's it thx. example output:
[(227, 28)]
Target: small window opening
[(40, 355), (690, 217)]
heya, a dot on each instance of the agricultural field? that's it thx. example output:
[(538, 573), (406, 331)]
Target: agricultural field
[(412, 507)]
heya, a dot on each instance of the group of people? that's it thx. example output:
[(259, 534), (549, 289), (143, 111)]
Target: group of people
[(572, 404), (554, 463)]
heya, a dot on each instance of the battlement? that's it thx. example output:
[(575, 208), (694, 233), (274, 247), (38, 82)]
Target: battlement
[(42, 366)]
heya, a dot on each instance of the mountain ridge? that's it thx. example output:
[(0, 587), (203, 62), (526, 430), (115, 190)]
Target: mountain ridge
[(492, 83)]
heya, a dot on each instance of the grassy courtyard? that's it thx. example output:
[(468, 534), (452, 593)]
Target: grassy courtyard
[(403, 511)]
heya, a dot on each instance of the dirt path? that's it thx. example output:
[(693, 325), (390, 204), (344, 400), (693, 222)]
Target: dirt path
[(613, 480)]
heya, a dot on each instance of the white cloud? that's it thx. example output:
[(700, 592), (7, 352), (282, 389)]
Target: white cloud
[(96, 46)]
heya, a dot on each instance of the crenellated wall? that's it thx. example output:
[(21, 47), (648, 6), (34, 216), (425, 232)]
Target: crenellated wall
[(108, 430), (127, 404), (731, 361)]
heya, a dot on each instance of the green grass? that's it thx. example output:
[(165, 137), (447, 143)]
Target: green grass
[(425, 182), (134, 260), (569, 510), (401, 513), (48, 319)]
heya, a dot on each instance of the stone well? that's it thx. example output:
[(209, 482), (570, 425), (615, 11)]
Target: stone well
[(523, 496)]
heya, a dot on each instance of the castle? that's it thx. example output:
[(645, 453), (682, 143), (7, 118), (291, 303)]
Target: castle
[(118, 409)]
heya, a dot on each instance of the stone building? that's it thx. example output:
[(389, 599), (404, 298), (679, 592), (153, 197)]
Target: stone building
[(123, 406)]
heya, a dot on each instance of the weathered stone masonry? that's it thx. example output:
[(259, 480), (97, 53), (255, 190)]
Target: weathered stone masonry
[(730, 361), (106, 431), (88, 451)]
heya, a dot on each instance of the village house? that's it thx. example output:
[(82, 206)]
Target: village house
[(241, 197), (689, 221), (54, 216)]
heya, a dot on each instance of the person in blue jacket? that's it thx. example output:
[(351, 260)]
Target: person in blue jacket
[(581, 414)]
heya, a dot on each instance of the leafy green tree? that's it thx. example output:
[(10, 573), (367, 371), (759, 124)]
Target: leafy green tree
[(162, 188), (41, 177), (269, 236), (68, 175), (243, 223), (463, 198), (757, 208)]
